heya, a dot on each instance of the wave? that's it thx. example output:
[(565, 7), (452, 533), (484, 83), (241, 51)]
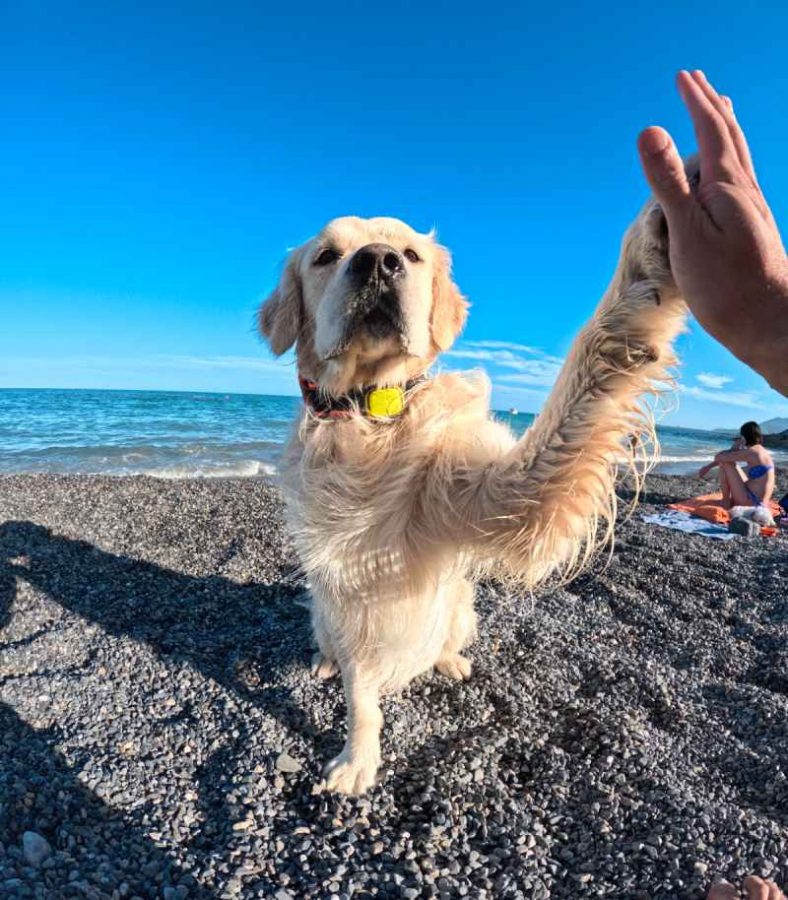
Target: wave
[(249, 469), (170, 435)]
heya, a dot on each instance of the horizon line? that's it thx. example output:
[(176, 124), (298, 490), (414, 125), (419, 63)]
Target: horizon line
[(715, 430)]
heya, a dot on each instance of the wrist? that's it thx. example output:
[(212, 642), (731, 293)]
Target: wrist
[(765, 350), (775, 364)]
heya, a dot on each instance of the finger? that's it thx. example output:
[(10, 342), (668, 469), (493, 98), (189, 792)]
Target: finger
[(664, 170), (717, 153), (755, 888), (723, 890), (724, 107), (774, 892)]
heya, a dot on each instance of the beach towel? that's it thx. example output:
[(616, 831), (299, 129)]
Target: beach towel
[(709, 507), (679, 520)]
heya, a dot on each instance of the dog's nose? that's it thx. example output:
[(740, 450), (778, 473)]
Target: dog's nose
[(377, 259)]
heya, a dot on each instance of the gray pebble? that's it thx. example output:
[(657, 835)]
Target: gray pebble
[(161, 621), (35, 848), (286, 763)]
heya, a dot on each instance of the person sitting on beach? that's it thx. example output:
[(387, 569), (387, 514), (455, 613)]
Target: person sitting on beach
[(755, 488)]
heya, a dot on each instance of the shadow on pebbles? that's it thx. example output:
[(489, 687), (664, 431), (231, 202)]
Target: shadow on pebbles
[(623, 736)]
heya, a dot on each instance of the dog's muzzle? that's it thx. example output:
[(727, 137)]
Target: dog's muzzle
[(375, 273)]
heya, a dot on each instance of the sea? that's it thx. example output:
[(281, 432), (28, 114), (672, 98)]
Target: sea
[(185, 435)]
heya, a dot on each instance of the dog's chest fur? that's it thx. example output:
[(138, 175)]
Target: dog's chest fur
[(355, 488)]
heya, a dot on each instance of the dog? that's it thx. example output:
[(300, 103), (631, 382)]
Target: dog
[(401, 489)]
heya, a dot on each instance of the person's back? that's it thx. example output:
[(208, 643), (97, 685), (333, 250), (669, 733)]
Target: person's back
[(760, 465)]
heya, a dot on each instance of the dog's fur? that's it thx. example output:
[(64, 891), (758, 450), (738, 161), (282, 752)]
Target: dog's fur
[(394, 519)]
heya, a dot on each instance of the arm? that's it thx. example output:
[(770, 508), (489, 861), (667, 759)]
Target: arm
[(550, 501), (726, 456), (725, 248)]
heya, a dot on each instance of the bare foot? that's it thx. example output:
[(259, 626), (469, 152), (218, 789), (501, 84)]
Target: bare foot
[(753, 889)]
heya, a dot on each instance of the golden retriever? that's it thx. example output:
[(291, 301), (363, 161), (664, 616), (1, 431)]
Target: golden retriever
[(395, 512)]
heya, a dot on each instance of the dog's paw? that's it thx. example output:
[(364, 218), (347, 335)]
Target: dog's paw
[(323, 667), (350, 775), (647, 256), (454, 666)]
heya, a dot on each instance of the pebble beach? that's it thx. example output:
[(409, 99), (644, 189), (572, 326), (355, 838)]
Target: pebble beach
[(625, 735)]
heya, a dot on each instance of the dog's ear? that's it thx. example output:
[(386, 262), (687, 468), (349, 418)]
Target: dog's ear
[(281, 315), (449, 307)]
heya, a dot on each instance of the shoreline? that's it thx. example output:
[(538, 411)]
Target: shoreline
[(624, 733), (184, 435), (268, 471)]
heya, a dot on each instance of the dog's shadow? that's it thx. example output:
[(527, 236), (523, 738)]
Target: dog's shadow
[(245, 637), (39, 792), (213, 624)]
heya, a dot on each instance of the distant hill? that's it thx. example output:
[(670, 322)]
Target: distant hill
[(774, 426), (776, 441)]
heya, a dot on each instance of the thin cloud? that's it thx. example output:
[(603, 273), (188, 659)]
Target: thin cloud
[(514, 347), (715, 382), (244, 374), (536, 372), (520, 391), (244, 363), (727, 398), (533, 366)]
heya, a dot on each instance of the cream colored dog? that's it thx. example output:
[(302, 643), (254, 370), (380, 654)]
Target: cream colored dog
[(394, 513)]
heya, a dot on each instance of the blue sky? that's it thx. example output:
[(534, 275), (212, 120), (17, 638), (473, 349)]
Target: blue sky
[(158, 163)]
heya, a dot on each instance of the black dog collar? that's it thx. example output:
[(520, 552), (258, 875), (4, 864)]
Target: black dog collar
[(373, 402)]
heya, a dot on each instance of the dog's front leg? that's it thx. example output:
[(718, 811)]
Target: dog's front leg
[(548, 503), (354, 770)]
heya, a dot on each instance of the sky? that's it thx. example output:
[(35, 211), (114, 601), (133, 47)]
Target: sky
[(158, 161)]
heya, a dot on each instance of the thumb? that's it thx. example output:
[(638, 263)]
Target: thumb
[(664, 170)]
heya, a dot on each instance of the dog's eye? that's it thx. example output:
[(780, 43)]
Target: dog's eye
[(412, 255), (326, 256)]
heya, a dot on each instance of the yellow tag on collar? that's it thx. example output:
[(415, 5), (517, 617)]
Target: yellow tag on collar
[(385, 403)]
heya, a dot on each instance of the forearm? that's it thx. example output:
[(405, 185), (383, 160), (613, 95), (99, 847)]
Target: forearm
[(753, 325), (770, 351)]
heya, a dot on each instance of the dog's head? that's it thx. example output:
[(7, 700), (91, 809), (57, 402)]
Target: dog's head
[(366, 301)]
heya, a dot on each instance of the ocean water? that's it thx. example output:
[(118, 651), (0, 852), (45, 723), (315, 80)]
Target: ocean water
[(168, 434), (181, 435)]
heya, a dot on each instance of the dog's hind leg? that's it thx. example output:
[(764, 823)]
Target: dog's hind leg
[(354, 770), (324, 660), (462, 630), (323, 666)]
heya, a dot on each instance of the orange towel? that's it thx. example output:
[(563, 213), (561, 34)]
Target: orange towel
[(709, 507)]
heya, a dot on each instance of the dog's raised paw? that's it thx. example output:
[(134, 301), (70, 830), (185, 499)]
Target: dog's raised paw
[(349, 775), (454, 666), (323, 667)]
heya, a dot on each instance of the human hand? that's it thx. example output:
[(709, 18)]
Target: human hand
[(704, 471), (725, 249), (753, 889)]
